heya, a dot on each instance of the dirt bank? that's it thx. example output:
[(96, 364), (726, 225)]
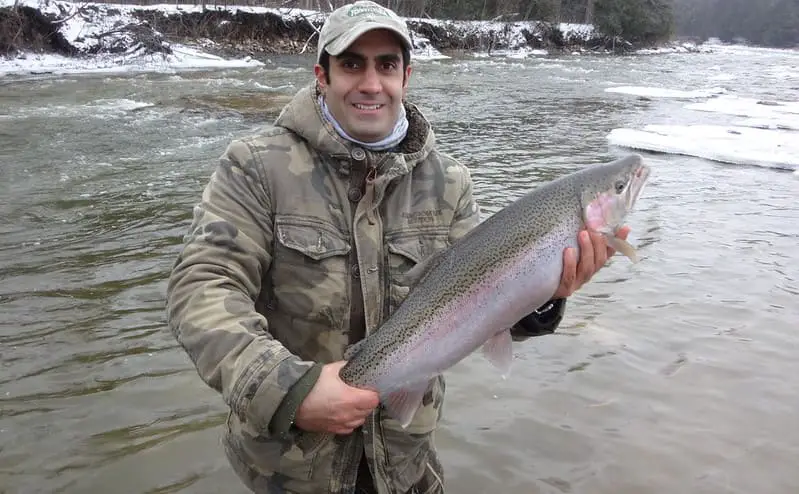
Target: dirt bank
[(104, 28)]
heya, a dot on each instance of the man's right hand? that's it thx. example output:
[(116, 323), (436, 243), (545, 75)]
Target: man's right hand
[(333, 406)]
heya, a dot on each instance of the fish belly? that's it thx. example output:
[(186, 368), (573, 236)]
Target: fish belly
[(493, 304)]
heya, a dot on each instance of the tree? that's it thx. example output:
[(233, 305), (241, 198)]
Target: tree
[(638, 21), (764, 22)]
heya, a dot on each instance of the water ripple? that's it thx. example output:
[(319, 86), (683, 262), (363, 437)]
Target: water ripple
[(94, 387)]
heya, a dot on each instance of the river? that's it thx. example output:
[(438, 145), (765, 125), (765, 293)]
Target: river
[(675, 374)]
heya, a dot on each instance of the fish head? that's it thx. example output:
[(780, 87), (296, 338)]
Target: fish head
[(608, 192)]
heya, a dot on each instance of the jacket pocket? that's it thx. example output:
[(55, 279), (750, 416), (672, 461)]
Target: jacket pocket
[(405, 249), (310, 271)]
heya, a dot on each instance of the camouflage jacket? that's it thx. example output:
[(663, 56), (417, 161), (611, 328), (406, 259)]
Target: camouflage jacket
[(296, 251)]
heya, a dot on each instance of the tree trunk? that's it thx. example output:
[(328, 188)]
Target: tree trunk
[(589, 12)]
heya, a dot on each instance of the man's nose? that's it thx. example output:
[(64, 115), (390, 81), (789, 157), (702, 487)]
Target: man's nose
[(370, 82)]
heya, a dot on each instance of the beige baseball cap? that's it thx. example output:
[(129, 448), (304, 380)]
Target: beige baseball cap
[(347, 23)]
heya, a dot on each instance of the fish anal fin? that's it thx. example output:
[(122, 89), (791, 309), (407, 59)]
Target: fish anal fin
[(499, 351), (403, 403)]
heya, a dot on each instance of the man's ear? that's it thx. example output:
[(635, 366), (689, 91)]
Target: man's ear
[(319, 72), (406, 79)]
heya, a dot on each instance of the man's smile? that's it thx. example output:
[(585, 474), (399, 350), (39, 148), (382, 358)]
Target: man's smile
[(368, 107)]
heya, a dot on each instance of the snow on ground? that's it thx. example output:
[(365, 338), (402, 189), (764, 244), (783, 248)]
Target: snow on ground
[(767, 137), (776, 123), (656, 92), (181, 58), (748, 107), (571, 30), (88, 30), (685, 47), (82, 29), (743, 146)]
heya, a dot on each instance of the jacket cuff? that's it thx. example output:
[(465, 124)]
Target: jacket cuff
[(283, 418), (543, 321)]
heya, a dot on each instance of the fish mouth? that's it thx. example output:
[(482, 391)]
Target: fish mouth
[(640, 175)]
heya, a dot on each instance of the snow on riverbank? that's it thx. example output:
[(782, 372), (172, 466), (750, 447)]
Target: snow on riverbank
[(656, 92), (100, 31), (182, 58), (111, 37)]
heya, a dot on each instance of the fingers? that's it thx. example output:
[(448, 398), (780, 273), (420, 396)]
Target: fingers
[(585, 268), (600, 246), (569, 268), (354, 424), (356, 407), (594, 254), (347, 428), (347, 425), (350, 414), (367, 400)]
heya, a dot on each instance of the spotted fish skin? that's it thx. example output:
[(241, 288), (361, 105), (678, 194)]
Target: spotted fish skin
[(502, 270)]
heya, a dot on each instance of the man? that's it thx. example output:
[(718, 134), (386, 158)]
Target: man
[(297, 250)]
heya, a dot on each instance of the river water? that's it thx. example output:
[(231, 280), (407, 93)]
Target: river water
[(676, 374)]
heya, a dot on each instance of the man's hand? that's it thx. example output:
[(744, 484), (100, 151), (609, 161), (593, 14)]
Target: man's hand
[(594, 253), (333, 406)]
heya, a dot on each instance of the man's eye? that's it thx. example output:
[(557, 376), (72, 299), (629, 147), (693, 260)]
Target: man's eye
[(350, 64), (389, 66)]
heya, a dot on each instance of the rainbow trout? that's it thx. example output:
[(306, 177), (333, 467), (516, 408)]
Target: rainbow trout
[(470, 294)]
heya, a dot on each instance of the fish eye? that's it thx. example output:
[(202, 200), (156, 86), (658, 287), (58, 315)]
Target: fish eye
[(620, 186)]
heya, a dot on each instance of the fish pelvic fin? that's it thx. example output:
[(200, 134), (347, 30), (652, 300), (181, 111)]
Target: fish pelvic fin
[(623, 246), (499, 351), (403, 403)]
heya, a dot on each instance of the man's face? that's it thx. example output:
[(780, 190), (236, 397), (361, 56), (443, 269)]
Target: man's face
[(367, 84)]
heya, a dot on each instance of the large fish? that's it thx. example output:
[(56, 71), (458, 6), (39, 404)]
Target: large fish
[(470, 294)]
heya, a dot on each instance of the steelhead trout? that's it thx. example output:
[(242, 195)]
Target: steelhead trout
[(470, 294)]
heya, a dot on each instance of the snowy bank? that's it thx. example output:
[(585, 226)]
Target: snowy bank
[(74, 36), (766, 134)]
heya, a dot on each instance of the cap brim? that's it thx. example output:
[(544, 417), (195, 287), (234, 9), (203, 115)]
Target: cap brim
[(337, 46)]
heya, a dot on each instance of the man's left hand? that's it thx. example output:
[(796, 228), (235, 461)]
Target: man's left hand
[(594, 253)]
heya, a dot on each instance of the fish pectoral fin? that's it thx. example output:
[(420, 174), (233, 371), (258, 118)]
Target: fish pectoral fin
[(623, 246), (499, 351), (414, 275), (353, 349), (403, 403)]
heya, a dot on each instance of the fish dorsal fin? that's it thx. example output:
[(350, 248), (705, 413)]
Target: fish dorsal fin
[(499, 351), (403, 403), (353, 349), (415, 275)]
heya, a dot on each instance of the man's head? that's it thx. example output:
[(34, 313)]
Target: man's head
[(363, 68)]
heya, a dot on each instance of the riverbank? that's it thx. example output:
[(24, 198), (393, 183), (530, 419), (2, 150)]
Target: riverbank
[(51, 36)]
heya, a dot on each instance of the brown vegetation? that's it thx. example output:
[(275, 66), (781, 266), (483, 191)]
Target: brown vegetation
[(239, 31), (27, 29), (235, 32)]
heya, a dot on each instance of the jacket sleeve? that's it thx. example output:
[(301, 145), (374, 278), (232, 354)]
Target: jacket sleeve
[(212, 288), (545, 319)]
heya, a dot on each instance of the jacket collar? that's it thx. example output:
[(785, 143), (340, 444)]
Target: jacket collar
[(303, 116)]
